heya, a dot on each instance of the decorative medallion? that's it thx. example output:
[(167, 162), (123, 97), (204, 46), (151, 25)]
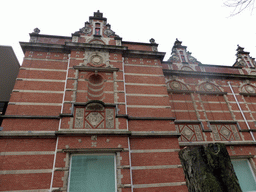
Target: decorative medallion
[(109, 32), (96, 60), (208, 87), (175, 85), (250, 89)]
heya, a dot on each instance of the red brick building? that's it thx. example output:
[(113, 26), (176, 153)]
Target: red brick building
[(91, 112)]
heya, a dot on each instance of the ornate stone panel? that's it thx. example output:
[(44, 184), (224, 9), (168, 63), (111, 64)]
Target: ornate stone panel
[(110, 118), (209, 87), (248, 89), (225, 132), (189, 132), (94, 116), (79, 118), (176, 85)]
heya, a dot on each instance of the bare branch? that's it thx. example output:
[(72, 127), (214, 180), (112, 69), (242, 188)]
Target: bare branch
[(239, 5)]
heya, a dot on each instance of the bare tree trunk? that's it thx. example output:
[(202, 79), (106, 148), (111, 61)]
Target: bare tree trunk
[(208, 168)]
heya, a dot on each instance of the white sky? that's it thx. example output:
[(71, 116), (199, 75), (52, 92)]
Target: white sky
[(204, 26)]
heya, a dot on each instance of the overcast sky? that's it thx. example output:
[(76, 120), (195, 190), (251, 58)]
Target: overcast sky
[(204, 26)]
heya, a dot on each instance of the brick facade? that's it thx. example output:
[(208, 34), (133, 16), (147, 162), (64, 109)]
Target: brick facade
[(93, 93)]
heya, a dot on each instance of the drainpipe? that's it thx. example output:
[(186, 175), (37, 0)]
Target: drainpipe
[(241, 111), (127, 125), (62, 106)]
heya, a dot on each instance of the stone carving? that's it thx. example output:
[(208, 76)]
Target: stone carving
[(95, 118), (96, 60), (225, 132), (86, 29), (176, 85), (186, 69), (94, 107), (190, 132), (110, 118), (79, 118), (208, 87), (108, 32), (36, 31), (250, 89), (174, 58)]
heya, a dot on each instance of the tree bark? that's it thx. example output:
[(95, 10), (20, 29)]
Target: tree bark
[(208, 168)]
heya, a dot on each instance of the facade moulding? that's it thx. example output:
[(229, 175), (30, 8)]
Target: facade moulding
[(146, 118), (144, 54), (50, 36), (73, 132), (43, 47), (179, 91), (248, 94), (98, 150), (155, 134), (184, 144), (207, 74), (76, 132), (30, 134), (85, 46), (98, 69), (28, 117), (211, 93)]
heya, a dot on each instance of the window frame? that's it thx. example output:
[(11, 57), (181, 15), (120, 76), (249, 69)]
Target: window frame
[(250, 162), (90, 154)]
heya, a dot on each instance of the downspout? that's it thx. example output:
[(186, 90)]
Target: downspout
[(127, 125), (62, 106), (241, 111)]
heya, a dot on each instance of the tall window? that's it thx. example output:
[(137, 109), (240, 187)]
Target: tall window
[(97, 29), (245, 175), (92, 173)]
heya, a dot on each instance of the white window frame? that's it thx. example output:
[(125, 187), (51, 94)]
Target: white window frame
[(88, 154)]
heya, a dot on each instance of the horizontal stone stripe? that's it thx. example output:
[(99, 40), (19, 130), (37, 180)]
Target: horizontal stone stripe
[(156, 167), (25, 171), (159, 185), (45, 80), (41, 69), (142, 65), (36, 91), (145, 84), (180, 101), (139, 74), (155, 150), (37, 59), (27, 153), (146, 95), (31, 103), (147, 106)]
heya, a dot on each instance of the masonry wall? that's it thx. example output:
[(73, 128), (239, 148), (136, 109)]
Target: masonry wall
[(96, 94)]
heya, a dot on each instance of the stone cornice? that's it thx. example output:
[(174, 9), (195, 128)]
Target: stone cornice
[(28, 117), (94, 150), (68, 46), (98, 69), (79, 132), (208, 74), (33, 134), (183, 144)]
